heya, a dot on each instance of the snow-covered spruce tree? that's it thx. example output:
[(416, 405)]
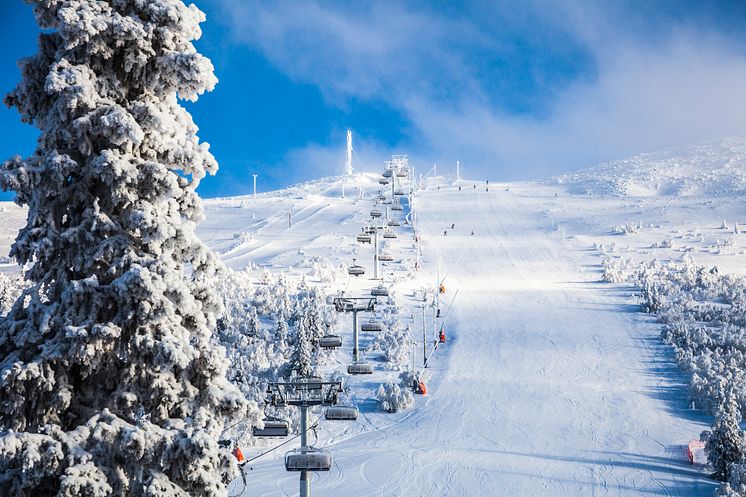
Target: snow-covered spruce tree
[(301, 360), (108, 383), (725, 443)]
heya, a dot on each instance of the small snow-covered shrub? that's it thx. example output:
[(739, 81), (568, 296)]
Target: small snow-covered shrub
[(394, 398), (613, 270), (667, 243), (625, 229)]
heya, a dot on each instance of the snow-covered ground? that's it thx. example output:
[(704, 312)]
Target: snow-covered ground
[(551, 382)]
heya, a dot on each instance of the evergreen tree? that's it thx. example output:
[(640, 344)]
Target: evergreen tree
[(725, 443), (108, 380), (303, 352)]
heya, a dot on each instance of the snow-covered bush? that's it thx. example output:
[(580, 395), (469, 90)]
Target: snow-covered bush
[(109, 382), (667, 243), (11, 287), (625, 229), (394, 398), (395, 343), (614, 270)]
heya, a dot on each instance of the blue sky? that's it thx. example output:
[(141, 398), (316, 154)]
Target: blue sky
[(514, 90)]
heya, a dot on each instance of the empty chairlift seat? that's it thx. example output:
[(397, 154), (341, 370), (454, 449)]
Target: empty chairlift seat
[(397, 207), (387, 173), (375, 213), (379, 291), (402, 173), (308, 459), (399, 192), (273, 427), (389, 234), (394, 222), (330, 342), (341, 413), (385, 257), (383, 181), (372, 325), (355, 269), (360, 368), (363, 238)]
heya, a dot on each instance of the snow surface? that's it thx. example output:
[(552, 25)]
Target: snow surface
[(711, 168), (551, 382)]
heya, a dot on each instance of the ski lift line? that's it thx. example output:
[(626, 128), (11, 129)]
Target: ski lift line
[(450, 268), (442, 325)]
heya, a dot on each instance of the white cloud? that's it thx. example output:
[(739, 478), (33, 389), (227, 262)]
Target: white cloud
[(645, 93)]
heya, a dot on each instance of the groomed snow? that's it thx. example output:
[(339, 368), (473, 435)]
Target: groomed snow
[(551, 382)]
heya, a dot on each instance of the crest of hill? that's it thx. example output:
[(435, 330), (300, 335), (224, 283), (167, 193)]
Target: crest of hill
[(712, 169), (326, 187)]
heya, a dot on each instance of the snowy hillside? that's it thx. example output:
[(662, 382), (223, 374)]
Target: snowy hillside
[(551, 382), (712, 168)]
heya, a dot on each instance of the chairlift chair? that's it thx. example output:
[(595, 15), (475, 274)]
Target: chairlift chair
[(379, 291), (389, 234), (363, 238), (383, 181), (397, 207), (387, 173), (372, 325), (330, 342), (385, 257), (355, 269), (342, 413), (394, 222), (312, 382), (402, 173), (399, 192), (273, 427), (359, 368), (375, 213), (308, 459)]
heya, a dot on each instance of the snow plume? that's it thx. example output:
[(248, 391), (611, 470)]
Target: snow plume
[(108, 380)]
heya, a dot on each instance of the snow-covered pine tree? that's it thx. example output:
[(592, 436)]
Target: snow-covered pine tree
[(725, 443), (301, 360), (252, 323), (109, 385)]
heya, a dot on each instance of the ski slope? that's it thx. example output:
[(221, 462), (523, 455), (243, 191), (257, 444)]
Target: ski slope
[(550, 384)]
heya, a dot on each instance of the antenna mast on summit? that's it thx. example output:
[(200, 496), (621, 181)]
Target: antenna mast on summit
[(348, 165)]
